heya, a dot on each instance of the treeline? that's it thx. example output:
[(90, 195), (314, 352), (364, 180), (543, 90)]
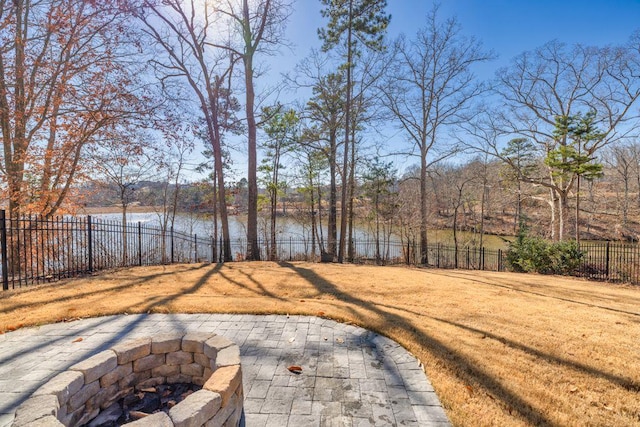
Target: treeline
[(117, 93)]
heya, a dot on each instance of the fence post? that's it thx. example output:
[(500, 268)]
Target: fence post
[(5, 263), (195, 247), (482, 262), (220, 251), (290, 249), (213, 250), (499, 259), (468, 258), (139, 243), (90, 243), (408, 250), (606, 268), (171, 231)]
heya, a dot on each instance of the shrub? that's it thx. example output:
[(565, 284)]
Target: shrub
[(530, 254)]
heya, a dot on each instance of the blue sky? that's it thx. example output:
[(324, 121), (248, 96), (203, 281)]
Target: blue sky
[(509, 27)]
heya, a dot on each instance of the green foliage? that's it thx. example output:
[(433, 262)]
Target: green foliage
[(528, 254), (520, 155), (577, 135), (366, 19)]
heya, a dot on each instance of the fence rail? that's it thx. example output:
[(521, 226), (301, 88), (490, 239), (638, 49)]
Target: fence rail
[(38, 250)]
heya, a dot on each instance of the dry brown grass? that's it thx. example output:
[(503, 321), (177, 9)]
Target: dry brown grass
[(500, 349)]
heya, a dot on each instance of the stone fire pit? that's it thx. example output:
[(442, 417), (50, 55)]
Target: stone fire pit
[(76, 396)]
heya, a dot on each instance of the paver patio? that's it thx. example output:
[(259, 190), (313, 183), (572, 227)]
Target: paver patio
[(350, 376)]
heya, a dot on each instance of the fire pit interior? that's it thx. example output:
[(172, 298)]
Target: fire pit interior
[(197, 375)]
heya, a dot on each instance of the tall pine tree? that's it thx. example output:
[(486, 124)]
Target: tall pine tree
[(351, 22)]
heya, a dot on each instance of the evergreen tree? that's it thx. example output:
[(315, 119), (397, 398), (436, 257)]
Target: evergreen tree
[(281, 128), (572, 158), (351, 22)]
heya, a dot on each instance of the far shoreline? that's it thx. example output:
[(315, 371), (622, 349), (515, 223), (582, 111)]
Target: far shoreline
[(99, 210)]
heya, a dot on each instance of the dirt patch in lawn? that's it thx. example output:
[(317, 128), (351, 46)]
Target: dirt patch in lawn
[(499, 348)]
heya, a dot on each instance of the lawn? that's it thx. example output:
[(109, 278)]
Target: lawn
[(500, 348)]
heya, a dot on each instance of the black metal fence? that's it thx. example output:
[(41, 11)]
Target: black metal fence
[(39, 250)]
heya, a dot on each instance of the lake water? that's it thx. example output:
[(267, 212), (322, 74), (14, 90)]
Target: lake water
[(291, 229)]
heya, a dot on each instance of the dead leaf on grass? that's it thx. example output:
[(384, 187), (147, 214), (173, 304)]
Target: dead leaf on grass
[(295, 369), (469, 388), (573, 389), (321, 313)]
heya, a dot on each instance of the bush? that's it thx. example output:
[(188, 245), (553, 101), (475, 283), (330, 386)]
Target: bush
[(529, 254)]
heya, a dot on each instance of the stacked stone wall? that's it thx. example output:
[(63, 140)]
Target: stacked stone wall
[(76, 396)]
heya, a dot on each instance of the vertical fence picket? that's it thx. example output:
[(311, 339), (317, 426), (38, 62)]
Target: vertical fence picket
[(89, 245), (3, 250), (172, 248), (139, 243)]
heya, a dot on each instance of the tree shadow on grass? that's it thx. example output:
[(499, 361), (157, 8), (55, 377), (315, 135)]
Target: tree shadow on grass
[(153, 303), (452, 274), (199, 283), (127, 285), (621, 381), (626, 383), (262, 290), (447, 354)]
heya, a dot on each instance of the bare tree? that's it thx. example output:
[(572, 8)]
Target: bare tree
[(623, 160), (122, 165), (429, 89), (556, 82), (170, 163), (185, 31), (257, 27)]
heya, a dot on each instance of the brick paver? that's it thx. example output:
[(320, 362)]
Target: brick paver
[(350, 376)]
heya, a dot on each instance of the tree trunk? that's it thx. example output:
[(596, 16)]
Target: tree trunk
[(274, 206), (125, 236), (423, 206), (221, 200), (215, 219), (482, 209), (578, 209), (518, 214), (253, 250), (376, 207), (563, 201), (313, 216), (332, 220), (554, 219), (347, 132), (320, 233), (352, 186)]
